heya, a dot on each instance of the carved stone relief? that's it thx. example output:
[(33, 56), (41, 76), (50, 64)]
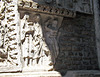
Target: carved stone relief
[(39, 43), (9, 47), (31, 39), (51, 29), (12, 34), (33, 44), (26, 40), (83, 6)]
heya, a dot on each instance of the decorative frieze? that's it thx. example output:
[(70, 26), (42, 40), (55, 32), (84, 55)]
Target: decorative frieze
[(63, 6), (33, 6)]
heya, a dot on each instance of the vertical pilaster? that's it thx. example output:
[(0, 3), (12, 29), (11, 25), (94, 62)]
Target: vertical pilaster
[(12, 33), (97, 27)]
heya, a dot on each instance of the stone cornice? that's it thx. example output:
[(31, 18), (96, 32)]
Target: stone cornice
[(32, 6)]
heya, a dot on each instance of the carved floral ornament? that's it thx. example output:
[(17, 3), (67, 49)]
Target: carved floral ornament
[(33, 6)]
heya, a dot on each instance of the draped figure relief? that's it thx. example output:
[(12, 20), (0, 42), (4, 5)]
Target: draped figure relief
[(35, 53), (51, 31)]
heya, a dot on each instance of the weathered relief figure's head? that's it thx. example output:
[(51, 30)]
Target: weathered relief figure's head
[(36, 18), (55, 23)]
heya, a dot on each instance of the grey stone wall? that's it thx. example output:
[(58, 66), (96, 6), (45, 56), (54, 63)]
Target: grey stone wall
[(77, 44)]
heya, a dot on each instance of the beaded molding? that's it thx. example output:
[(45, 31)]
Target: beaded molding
[(32, 6)]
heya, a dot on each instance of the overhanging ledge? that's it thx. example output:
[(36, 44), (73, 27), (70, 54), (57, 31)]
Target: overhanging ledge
[(32, 6)]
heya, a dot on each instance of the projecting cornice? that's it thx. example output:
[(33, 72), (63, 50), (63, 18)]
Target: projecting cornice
[(32, 6)]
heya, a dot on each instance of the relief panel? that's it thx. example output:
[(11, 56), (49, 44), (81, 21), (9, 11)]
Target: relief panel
[(39, 41), (84, 6)]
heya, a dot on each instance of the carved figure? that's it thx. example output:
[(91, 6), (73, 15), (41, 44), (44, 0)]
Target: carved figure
[(51, 37), (27, 32), (37, 39), (34, 48), (27, 35), (42, 55)]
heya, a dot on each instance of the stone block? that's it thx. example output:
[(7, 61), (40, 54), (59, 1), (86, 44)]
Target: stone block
[(83, 73), (32, 74)]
